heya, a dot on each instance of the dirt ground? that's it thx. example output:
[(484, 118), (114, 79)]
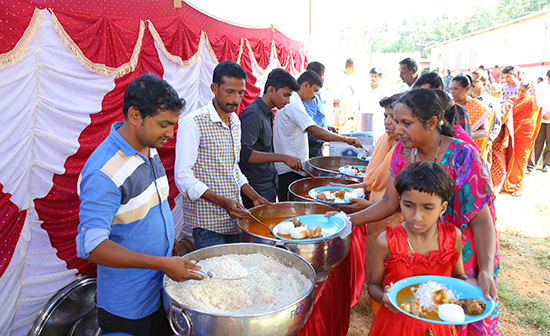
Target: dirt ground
[(523, 226)]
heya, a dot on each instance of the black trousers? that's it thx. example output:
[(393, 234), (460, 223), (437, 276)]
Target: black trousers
[(539, 148), (155, 324), (286, 180), (315, 149)]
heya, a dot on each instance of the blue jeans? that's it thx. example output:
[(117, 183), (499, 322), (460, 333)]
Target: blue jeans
[(204, 238)]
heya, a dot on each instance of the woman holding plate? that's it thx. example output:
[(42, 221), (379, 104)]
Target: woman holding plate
[(425, 136)]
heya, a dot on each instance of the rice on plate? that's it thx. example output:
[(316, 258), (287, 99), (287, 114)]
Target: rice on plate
[(268, 285), (424, 293)]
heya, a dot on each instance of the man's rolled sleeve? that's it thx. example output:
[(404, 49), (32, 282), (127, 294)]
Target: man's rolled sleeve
[(99, 202), (187, 151), (242, 179)]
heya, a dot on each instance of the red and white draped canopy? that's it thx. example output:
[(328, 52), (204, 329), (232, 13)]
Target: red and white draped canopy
[(64, 67)]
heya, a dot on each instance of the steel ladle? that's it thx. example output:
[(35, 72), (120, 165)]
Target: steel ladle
[(212, 276), (257, 220)]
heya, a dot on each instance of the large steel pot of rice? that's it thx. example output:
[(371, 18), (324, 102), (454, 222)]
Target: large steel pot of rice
[(329, 165), (298, 190), (324, 255), (287, 320)]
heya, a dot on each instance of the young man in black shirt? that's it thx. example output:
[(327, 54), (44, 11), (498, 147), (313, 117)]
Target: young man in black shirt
[(257, 156)]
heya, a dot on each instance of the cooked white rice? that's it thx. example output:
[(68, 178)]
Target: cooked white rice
[(424, 294), (268, 285)]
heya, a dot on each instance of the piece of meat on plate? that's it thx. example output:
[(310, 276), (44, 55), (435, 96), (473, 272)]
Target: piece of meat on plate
[(472, 307)]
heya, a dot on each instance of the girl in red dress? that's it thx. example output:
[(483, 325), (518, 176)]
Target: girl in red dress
[(420, 246)]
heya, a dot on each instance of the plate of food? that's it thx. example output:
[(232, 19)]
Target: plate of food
[(335, 195), (353, 171), (364, 157), (441, 300), (309, 228)]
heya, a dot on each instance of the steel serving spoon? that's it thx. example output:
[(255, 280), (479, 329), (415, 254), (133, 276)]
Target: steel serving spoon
[(212, 276)]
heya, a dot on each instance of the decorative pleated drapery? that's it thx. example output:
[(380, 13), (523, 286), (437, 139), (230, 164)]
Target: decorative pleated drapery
[(64, 67)]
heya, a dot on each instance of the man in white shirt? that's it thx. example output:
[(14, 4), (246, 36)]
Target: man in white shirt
[(543, 99), (370, 103), (207, 169), (292, 124), (346, 102), (408, 74)]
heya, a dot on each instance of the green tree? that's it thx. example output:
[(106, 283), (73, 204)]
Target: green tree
[(513, 9), (415, 34), (446, 28), (483, 17)]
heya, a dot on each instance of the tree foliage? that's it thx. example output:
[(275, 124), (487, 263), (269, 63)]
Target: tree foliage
[(415, 34)]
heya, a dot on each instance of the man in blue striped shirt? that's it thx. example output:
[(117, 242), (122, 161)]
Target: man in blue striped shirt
[(126, 226)]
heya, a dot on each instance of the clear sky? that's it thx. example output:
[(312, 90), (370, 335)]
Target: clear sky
[(329, 16)]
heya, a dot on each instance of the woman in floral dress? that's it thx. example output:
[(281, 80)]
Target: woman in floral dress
[(425, 136)]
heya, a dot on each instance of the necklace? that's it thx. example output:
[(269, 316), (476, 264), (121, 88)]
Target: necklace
[(436, 153), (409, 242), (410, 246)]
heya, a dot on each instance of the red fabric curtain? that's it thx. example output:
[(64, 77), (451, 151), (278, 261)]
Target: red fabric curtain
[(11, 223), (15, 19), (104, 39), (283, 54), (179, 38), (262, 53), (225, 48), (251, 91)]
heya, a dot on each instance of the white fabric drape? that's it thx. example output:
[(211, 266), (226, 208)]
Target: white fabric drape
[(47, 99)]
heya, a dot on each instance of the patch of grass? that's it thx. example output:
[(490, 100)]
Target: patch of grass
[(544, 240), (515, 243), (543, 259), (532, 311), (543, 209), (542, 254), (504, 265)]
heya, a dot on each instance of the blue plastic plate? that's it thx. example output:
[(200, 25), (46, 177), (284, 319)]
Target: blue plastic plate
[(330, 225), (461, 288), (315, 191), (344, 170), (367, 159)]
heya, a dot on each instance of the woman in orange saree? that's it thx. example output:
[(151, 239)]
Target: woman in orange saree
[(526, 120), (480, 116)]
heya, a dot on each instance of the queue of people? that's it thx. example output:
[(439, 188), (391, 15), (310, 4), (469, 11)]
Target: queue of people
[(505, 124), (425, 135), (226, 164)]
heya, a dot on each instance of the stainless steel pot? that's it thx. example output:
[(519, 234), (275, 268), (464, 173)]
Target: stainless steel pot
[(287, 320), (329, 165), (86, 326), (67, 308), (301, 187), (324, 255)]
